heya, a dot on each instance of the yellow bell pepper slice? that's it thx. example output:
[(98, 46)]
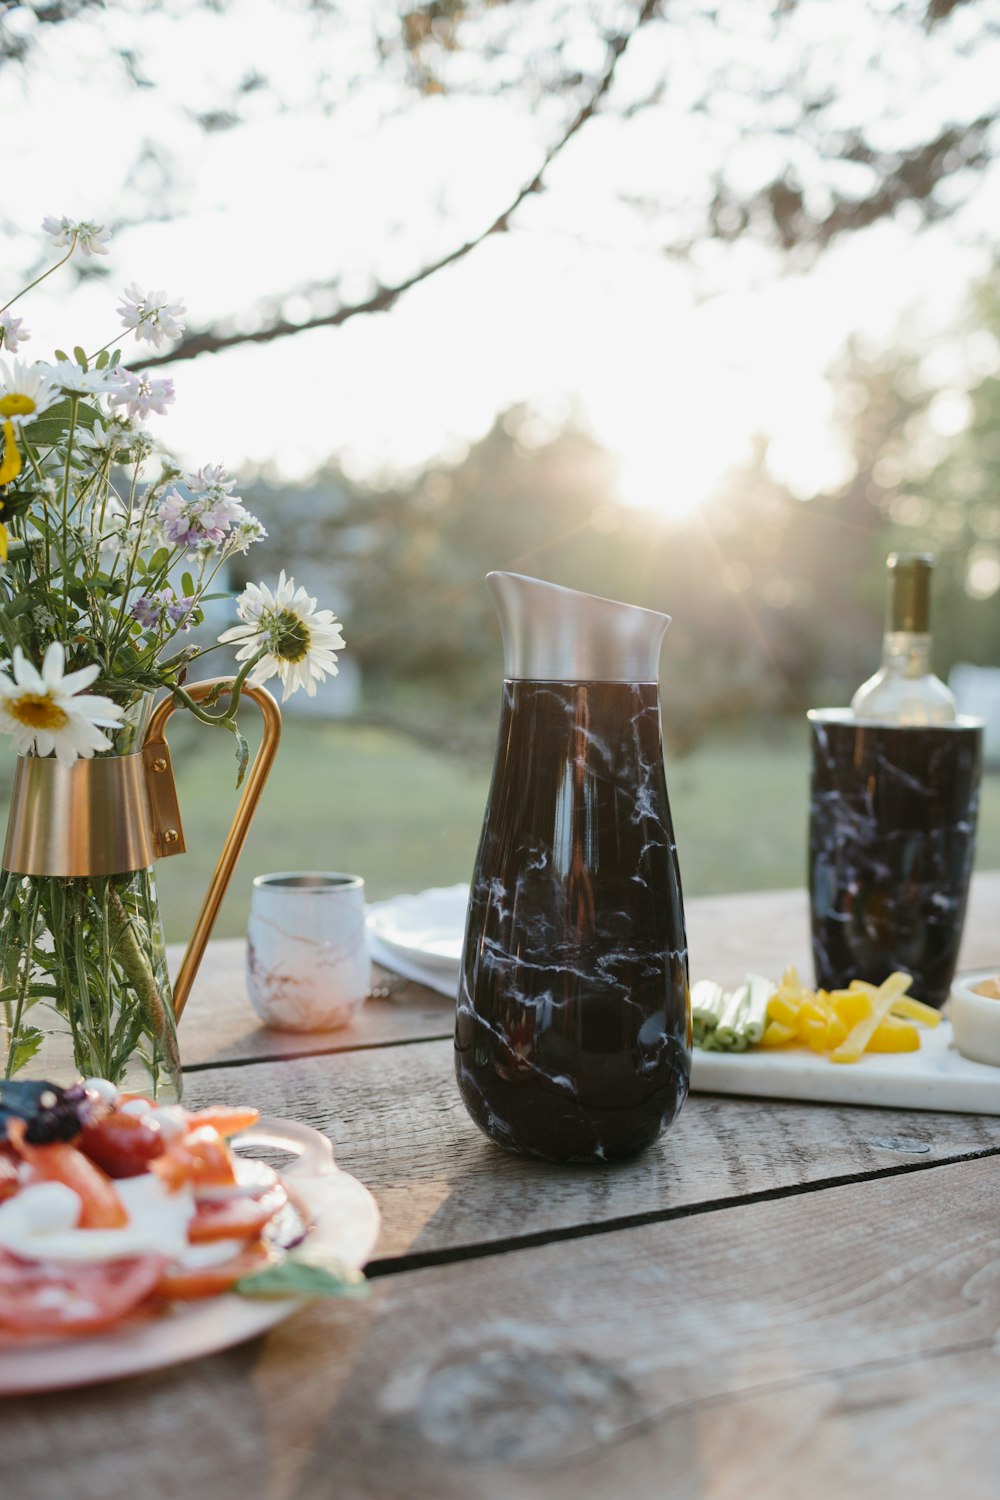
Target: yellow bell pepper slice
[(891, 1035), (861, 1034), (777, 1035), (783, 1010), (814, 1032), (836, 1033), (916, 1010), (817, 1008), (851, 1006)]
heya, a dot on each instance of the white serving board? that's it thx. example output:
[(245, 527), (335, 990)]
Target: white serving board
[(936, 1077)]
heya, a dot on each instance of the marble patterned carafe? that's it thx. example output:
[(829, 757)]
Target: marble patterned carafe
[(572, 1036)]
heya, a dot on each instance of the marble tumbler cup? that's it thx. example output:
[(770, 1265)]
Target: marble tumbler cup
[(892, 831), (308, 967)]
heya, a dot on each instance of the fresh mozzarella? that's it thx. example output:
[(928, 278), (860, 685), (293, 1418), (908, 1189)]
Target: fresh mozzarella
[(103, 1088), (136, 1107), (44, 1208), (36, 1224), (216, 1253), (253, 1180), (171, 1119)]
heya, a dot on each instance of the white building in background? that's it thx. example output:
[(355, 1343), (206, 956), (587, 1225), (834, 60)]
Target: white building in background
[(977, 692)]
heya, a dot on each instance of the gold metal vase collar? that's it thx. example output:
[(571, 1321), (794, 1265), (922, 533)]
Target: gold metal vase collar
[(117, 814)]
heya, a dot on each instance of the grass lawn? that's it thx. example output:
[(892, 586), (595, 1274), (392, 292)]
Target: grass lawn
[(347, 798)]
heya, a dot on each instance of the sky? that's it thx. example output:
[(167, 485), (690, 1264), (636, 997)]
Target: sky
[(674, 367)]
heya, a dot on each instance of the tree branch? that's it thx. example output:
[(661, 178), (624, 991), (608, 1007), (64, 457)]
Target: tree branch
[(208, 341)]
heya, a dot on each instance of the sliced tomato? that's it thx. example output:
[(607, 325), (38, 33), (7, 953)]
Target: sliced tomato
[(199, 1159), (40, 1297), (212, 1281), (59, 1162), (223, 1119), (236, 1218), (122, 1145)]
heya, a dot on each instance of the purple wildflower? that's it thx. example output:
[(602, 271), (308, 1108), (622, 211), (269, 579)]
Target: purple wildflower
[(200, 518), (152, 610)]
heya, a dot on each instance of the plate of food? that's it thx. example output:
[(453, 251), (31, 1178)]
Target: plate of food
[(134, 1236), (863, 1044)]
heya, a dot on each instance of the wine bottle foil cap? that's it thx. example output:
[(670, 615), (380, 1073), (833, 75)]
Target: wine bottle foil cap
[(555, 634), (910, 591)]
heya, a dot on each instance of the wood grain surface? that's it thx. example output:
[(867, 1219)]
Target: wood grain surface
[(765, 931), (777, 1302), (220, 1025), (836, 1343), (397, 1122)]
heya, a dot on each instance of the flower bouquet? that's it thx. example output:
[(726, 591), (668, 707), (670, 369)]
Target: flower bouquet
[(108, 554)]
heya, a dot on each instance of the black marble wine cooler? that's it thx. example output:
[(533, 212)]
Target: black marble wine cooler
[(572, 1033), (892, 832)]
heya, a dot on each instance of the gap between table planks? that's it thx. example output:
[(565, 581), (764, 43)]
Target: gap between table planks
[(836, 1344), (397, 1123), (762, 930)]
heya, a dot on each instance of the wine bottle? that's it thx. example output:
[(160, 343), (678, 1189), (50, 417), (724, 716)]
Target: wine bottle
[(904, 690)]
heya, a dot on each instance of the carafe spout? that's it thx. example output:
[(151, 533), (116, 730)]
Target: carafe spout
[(554, 634)]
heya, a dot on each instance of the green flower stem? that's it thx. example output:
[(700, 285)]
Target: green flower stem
[(227, 719), (109, 345), (15, 1021), (18, 295), (36, 469), (140, 975)]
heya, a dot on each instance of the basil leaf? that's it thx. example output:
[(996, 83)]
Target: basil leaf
[(309, 1272)]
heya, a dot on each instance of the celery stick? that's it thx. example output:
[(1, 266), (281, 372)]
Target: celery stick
[(731, 1024), (707, 1001), (760, 992)]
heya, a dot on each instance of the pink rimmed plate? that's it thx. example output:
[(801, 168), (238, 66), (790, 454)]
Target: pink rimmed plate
[(344, 1219)]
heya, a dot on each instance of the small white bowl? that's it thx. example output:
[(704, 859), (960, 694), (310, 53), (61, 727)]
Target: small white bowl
[(975, 1018)]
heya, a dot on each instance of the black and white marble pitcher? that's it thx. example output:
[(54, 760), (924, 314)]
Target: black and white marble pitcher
[(572, 1037)]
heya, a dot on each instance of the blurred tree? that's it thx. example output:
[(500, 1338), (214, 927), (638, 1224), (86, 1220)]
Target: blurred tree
[(777, 601), (807, 121)]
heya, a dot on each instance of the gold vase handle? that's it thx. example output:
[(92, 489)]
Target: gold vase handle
[(156, 755)]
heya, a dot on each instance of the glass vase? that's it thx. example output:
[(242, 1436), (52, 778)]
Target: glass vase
[(84, 989)]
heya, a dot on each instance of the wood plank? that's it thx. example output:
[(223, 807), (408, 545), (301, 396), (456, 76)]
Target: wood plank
[(219, 1024), (824, 1345), (763, 930), (397, 1122)]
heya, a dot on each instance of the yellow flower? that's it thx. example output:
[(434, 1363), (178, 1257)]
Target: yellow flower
[(10, 464), (24, 394)]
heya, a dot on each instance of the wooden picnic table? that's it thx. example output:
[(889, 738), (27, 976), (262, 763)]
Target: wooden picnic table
[(779, 1300)]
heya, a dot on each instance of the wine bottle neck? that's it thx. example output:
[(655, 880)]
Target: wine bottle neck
[(909, 601), (906, 653)]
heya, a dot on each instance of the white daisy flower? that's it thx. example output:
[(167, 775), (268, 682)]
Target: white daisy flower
[(299, 639), (25, 391), (74, 379), (48, 711), (12, 332), (140, 394), (91, 238), (151, 316)]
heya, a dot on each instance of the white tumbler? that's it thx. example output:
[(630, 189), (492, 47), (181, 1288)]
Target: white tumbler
[(308, 967)]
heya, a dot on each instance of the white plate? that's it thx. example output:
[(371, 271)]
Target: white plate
[(428, 928), (934, 1077), (345, 1220)]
